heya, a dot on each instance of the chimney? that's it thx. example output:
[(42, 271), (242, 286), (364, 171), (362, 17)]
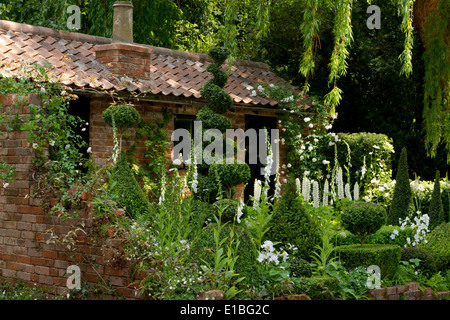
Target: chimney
[(123, 22), (123, 57)]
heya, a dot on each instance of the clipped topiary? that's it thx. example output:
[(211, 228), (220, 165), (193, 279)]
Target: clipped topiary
[(386, 257), (436, 211), (363, 219), (213, 177), (402, 202), (219, 55), (230, 175), (126, 190), (246, 264), (292, 224), (228, 207), (124, 116), (212, 120)]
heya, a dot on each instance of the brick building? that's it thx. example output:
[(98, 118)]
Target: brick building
[(154, 79)]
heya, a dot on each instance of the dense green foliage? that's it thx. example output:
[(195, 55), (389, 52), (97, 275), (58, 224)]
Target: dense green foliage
[(438, 246), (227, 208), (299, 267), (204, 244), (363, 219), (382, 236), (126, 191), (426, 264), (436, 211), (387, 257), (402, 202), (319, 287), (292, 224)]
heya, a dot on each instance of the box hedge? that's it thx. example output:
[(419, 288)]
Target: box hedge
[(387, 257)]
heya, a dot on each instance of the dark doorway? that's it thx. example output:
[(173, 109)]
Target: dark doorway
[(257, 122), (81, 108)]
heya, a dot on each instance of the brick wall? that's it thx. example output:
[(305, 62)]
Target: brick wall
[(410, 291), (25, 228)]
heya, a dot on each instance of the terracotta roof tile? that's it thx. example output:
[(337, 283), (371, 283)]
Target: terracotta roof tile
[(176, 73)]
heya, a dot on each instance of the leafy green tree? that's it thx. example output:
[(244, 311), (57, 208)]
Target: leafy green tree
[(402, 202)]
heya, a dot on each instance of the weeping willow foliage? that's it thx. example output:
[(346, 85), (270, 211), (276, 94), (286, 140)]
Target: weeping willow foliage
[(436, 113)]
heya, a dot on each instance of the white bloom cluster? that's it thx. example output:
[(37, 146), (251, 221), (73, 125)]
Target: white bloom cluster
[(340, 183), (315, 194), (269, 254), (288, 99), (420, 225)]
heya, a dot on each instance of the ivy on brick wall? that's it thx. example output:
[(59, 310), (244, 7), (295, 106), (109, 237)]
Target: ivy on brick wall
[(50, 129)]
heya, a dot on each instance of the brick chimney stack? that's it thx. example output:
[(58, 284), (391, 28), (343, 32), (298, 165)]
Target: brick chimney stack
[(123, 22), (122, 56)]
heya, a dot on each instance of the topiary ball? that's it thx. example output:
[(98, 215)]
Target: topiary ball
[(230, 175), (219, 55), (363, 219), (122, 116)]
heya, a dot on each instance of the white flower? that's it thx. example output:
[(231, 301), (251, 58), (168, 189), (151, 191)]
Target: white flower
[(331, 143), (289, 165), (5, 185), (268, 246), (307, 119), (89, 150), (43, 90), (325, 193), (239, 211), (84, 129), (313, 159), (176, 162), (35, 145), (253, 93), (311, 125), (260, 88), (325, 162), (63, 92), (52, 143), (316, 201), (376, 147)]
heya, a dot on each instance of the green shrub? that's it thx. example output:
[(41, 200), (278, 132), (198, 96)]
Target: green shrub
[(299, 267), (220, 100), (436, 211), (387, 257), (200, 213), (126, 190), (402, 203), (125, 116), (292, 224), (426, 264), (230, 175), (363, 219), (219, 55), (228, 207), (204, 246), (220, 77), (212, 120), (318, 287), (382, 236), (438, 246)]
